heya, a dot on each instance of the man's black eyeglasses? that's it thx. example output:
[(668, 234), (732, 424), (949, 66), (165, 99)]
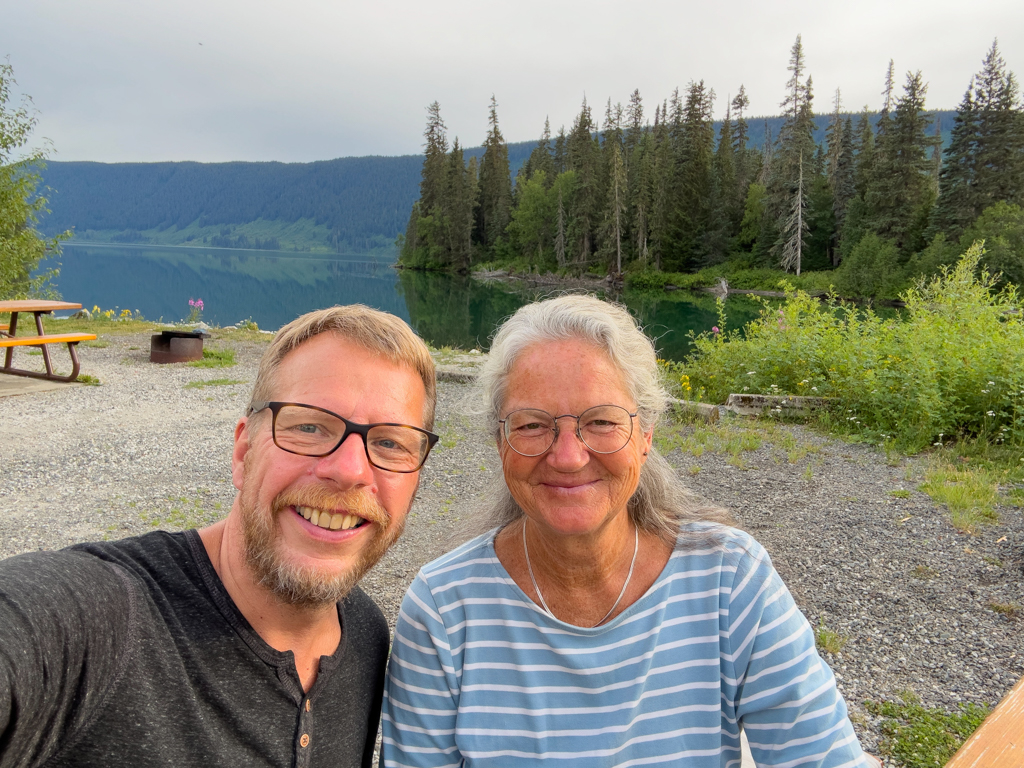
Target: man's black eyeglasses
[(311, 431)]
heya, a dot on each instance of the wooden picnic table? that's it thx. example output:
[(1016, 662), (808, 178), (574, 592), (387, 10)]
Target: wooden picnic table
[(9, 338)]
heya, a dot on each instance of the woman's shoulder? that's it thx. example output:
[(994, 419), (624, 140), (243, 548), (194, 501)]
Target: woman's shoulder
[(714, 541), (475, 554)]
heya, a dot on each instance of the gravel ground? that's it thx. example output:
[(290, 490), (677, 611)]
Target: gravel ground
[(910, 593)]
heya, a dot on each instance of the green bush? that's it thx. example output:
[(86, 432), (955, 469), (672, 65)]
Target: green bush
[(872, 270), (953, 367)]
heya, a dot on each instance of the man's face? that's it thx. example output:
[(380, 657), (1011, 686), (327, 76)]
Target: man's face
[(303, 563)]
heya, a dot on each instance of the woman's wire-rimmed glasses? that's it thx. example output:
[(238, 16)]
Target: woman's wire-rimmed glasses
[(308, 430), (602, 429)]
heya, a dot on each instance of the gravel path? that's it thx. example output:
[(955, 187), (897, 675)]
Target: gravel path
[(911, 595)]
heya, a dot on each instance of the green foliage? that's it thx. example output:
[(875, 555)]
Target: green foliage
[(954, 366), (213, 383), (924, 738), (22, 248), (872, 270), (90, 381), (1001, 228), (215, 358), (828, 640)]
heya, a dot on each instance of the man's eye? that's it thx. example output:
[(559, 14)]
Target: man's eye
[(307, 429)]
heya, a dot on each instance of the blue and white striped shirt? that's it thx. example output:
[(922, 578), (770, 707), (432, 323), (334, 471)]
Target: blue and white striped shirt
[(480, 675)]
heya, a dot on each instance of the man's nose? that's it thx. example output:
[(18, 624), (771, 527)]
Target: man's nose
[(348, 466)]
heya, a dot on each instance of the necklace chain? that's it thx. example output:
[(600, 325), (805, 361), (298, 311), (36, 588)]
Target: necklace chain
[(543, 602)]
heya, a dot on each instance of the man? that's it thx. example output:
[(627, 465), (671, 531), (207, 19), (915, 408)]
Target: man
[(246, 643)]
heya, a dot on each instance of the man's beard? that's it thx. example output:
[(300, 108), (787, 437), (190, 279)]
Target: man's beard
[(309, 587)]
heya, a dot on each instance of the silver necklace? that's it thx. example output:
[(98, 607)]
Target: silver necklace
[(543, 602)]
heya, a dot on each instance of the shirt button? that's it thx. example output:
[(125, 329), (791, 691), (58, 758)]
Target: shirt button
[(304, 741), (307, 705)]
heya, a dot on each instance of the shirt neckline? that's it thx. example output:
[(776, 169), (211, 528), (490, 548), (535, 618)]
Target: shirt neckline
[(506, 577), (283, 661)]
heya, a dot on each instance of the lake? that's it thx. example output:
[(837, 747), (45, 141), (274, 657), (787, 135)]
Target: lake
[(272, 288)]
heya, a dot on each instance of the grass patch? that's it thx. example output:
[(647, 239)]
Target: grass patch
[(969, 494), (829, 640), (97, 343), (1009, 610), (213, 383), (924, 738), (215, 358), (924, 573), (85, 378), (900, 494)]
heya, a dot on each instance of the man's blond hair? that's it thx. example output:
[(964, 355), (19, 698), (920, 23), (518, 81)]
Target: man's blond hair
[(371, 329)]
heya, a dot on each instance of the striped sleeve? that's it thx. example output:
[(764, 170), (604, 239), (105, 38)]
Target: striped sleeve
[(421, 696), (782, 692)]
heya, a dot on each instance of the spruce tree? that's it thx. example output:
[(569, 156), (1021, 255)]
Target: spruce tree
[(495, 209), (583, 158), (434, 160), (615, 208), (958, 203), (796, 142), (999, 165), (899, 195)]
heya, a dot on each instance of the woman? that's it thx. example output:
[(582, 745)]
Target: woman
[(606, 619)]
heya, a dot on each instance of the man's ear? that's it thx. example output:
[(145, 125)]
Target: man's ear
[(238, 452)]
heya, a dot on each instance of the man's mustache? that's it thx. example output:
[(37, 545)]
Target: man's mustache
[(359, 503)]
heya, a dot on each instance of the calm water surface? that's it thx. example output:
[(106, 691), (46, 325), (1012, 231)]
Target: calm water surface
[(273, 288)]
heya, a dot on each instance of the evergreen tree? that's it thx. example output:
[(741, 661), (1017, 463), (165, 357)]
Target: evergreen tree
[(691, 223), (662, 171), (999, 164), (458, 204), (899, 195), (958, 203), (495, 209), (434, 160), (615, 209), (796, 142), (844, 188), (839, 172), (583, 158), (730, 205)]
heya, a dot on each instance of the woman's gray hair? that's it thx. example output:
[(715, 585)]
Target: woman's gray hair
[(661, 503)]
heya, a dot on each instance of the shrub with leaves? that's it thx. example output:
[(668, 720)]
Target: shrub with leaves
[(954, 366)]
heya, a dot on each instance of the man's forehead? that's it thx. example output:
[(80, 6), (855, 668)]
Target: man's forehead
[(330, 364)]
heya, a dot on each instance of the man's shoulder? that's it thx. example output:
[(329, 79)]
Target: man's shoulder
[(364, 617)]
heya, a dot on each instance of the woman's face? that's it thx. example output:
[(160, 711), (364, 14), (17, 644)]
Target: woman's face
[(570, 490)]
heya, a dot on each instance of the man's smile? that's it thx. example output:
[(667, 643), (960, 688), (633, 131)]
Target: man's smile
[(335, 521)]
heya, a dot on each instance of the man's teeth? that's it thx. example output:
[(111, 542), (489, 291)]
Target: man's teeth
[(335, 522)]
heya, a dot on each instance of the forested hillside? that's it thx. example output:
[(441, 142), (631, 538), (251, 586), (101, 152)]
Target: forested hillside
[(348, 204), (868, 201)]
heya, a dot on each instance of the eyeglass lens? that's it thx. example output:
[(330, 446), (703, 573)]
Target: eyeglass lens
[(310, 432), (603, 429)]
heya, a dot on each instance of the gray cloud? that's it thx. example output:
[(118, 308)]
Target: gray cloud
[(121, 81)]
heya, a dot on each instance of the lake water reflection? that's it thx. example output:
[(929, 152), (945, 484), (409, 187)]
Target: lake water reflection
[(273, 288)]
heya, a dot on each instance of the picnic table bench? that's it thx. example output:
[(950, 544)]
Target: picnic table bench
[(9, 340), (999, 741)]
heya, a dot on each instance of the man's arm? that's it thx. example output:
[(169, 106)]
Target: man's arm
[(65, 622)]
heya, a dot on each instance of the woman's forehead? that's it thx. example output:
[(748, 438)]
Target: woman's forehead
[(563, 371)]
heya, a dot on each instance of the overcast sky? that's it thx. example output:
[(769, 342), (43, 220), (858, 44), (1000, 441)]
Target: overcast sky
[(215, 80)]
